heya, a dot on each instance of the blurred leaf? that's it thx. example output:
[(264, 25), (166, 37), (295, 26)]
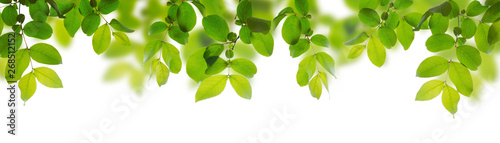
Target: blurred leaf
[(492, 14), (320, 40), (371, 4), (356, 51), (61, 34), (258, 25), (117, 71), (211, 87), (402, 4), (494, 33)]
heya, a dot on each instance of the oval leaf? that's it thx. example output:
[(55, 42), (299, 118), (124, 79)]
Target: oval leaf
[(291, 30), (27, 85), (101, 39), (263, 44), (430, 90), (241, 86), (38, 29), (326, 61), (376, 52), (369, 17), (243, 66), (216, 27), (469, 56), (45, 54), (432, 66), (186, 17), (387, 36), (90, 23), (439, 42), (48, 77), (461, 77), (211, 87)]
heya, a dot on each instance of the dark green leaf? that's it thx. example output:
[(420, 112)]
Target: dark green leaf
[(55, 8), (258, 25), (492, 14), (244, 10), (85, 8), (38, 29), (216, 27), (475, 8), (414, 19), (387, 36), (369, 17), (300, 48), (9, 15), (494, 33), (245, 34), (178, 35), (305, 25), (172, 13), (281, 15), (218, 66), (108, 6), (39, 11), (200, 7), (445, 9), (90, 23), (119, 26), (393, 20)]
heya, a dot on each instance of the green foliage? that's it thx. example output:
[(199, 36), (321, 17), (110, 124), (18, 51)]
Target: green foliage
[(439, 42), (450, 99), (475, 8), (438, 23), (72, 22), (45, 54), (243, 66), (300, 48), (90, 23), (468, 27), (258, 25), (387, 36), (402, 4), (263, 44), (492, 14), (38, 29), (320, 40), (430, 90), (186, 17), (405, 34), (481, 38), (369, 17), (244, 10), (359, 39), (108, 6), (9, 15), (432, 66), (461, 77), (469, 56), (157, 27), (39, 11), (307, 68), (356, 51), (216, 27), (376, 52), (48, 77), (315, 87), (178, 35), (241, 86), (302, 6), (27, 85), (494, 33), (326, 61), (162, 74), (172, 57), (211, 87), (101, 39)]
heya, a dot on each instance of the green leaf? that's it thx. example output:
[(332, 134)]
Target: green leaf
[(151, 49), (359, 39), (72, 21), (211, 87), (27, 85), (300, 48), (241, 86), (218, 66), (178, 35), (475, 8), (119, 26), (494, 33), (450, 99), (9, 15), (1, 24), (492, 14), (45, 54), (48, 77), (101, 39), (122, 38), (393, 20), (302, 6), (469, 56), (172, 13), (117, 71), (481, 38), (307, 68), (405, 34), (445, 9), (387, 36), (216, 27), (414, 20), (281, 15), (5, 45), (430, 90), (5, 1), (326, 61), (324, 79), (461, 77), (402, 4), (108, 6), (200, 7), (376, 52), (263, 44), (162, 74), (455, 9), (196, 65), (59, 7), (320, 40), (245, 34), (244, 10), (39, 11), (432, 66), (371, 4), (315, 87), (356, 51), (186, 17), (468, 27), (305, 25), (85, 8), (259, 25), (438, 23), (22, 62), (439, 42), (90, 23), (157, 27), (369, 17), (172, 58), (291, 30), (243, 66), (38, 29)]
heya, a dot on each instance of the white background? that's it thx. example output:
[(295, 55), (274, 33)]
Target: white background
[(365, 104)]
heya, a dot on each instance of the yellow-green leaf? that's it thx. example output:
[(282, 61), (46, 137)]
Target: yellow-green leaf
[(48, 77)]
